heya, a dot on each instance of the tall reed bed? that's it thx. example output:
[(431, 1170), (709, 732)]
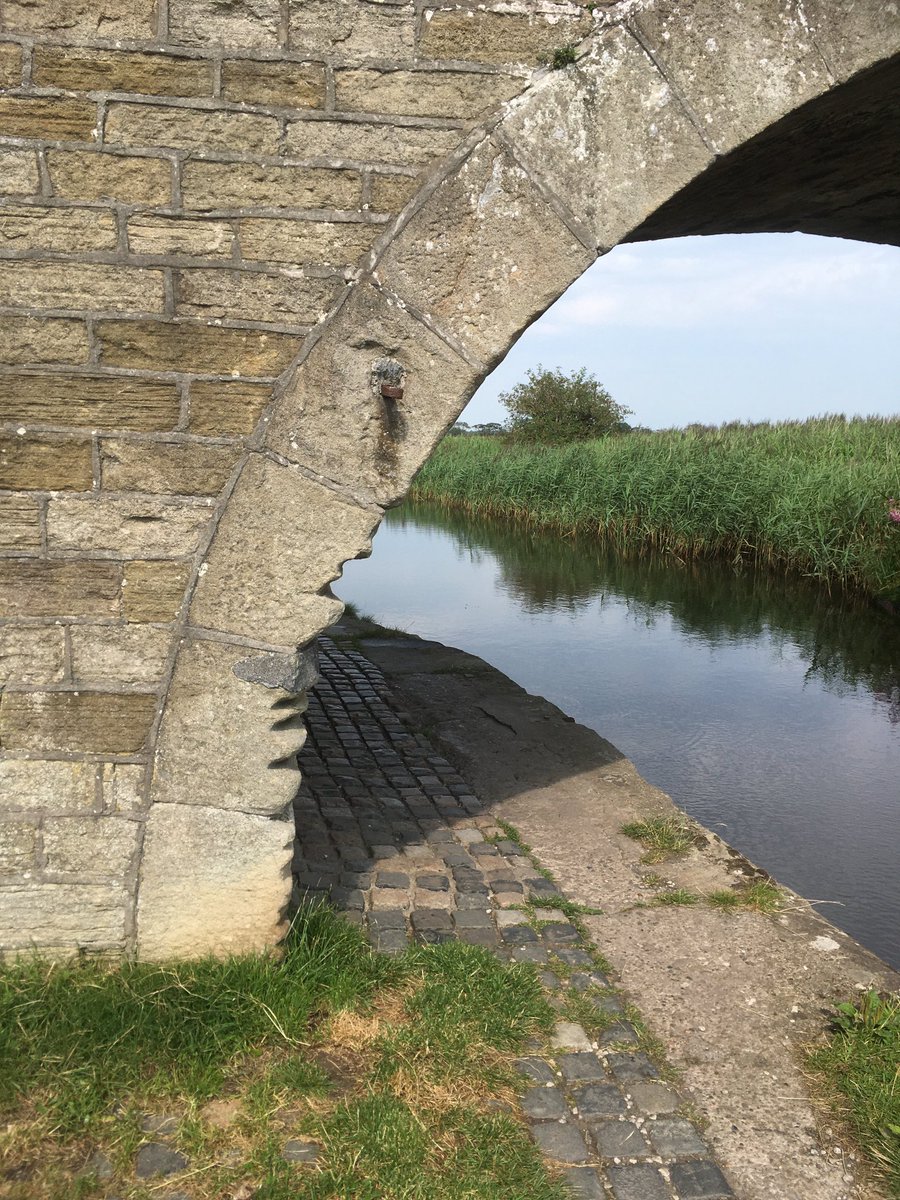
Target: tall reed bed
[(811, 496)]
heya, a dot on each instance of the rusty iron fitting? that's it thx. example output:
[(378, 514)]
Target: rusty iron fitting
[(392, 391)]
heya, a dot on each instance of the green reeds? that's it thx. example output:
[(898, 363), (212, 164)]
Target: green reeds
[(810, 496)]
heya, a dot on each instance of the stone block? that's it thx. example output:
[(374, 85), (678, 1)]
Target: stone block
[(329, 243), (122, 787), (86, 722), (91, 401), (700, 1181), (190, 128), (244, 742), (71, 230), (851, 35), (288, 299), (584, 1183), (36, 340), (227, 408), (19, 170), (90, 175), (82, 18), (152, 234), (502, 37), (276, 84), (225, 186), (389, 193), (194, 347), (637, 1181), (20, 526), (486, 255), (17, 845), (674, 1137), (45, 463), (153, 589), (212, 882), (97, 845), (58, 120), (131, 528), (176, 468), (364, 142), (714, 53), (619, 1139), (280, 533), (39, 588), (63, 916), (210, 22), (131, 654), (544, 1104), (356, 31), (55, 786), (332, 416), (77, 70), (31, 655), (652, 1097), (560, 1142), (92, 286), (423, 93), (10, 65), (616, 170)]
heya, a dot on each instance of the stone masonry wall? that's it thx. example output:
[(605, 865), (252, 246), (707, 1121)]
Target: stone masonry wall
[(223, 352)]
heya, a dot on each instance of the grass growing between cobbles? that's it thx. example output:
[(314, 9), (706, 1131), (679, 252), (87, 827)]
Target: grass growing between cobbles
[(395, 1067), (859, 1066)]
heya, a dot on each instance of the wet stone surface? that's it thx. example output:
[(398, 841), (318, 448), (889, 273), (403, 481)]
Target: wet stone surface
[(392, 836)]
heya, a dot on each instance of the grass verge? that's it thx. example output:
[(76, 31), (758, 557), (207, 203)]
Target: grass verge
[(661, 836)]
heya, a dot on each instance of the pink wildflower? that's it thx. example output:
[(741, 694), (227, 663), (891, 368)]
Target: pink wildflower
[(894, 511)]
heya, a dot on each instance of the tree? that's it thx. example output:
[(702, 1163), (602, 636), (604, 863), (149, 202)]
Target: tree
[(552, 407)]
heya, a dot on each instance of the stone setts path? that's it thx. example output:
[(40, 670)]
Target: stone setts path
[(394, 838)]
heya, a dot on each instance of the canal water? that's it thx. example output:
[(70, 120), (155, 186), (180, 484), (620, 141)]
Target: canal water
[(767, 710)]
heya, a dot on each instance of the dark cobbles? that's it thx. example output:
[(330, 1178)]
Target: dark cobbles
[(434, 883), (674, 1137), (531, 954), (574, 958), (582, 981), (638, 1182), (542, 887), (563, 1143), (585, 1067), (584, 1183), (653, 1097), (700, 1181), (619, 1139), (620, 1032), (431, 918), (518, 935), (557, 933), (391, 879), (156, 1158), (473, 918), (538, 1070), (479, 937), (632, 1068), (510, 849), (435, 937), (391, 941), (544, 1104), (599, 1100), (388, 918)]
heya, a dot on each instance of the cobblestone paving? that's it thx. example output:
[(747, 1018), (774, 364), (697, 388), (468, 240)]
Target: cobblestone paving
[(394, 838)]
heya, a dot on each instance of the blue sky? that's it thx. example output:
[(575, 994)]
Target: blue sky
[(752, 327)]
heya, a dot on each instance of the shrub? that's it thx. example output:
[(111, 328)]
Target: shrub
[(555, 408)]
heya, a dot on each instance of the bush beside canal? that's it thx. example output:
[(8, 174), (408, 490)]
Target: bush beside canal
[(810, 496)]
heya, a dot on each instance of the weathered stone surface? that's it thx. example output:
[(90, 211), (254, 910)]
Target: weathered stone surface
[(283, 299), (152, 234), (227, 408), (250, 586), (423, 93), (244, 741), (92, 401), (193, 346), (89, 175), (359, 141), (31, 655), (157, 1158), (10, 64), (17, 845), (20, 527), (45, 463), (19, 171), (62, 916), (486, 255), (99, 846), (210, 22), (213, 882), (42, 340), (53, 786), (88, 722), (712, 53), (176, 468), (331, 243), (122, 787), (610, 138), (80, 285), (30, 227), (279, 84), (38, 588), (224, 186), (77, 70), (501, 37), (354, 30), (153, 589), (82, 18), (127, 527), (389, 193), (333, 418), (851, 34), (190, 128), (107, 654), (59, 120)]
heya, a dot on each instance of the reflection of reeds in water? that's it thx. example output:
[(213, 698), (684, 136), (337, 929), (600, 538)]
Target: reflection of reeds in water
[(846, 642), (810, 496)]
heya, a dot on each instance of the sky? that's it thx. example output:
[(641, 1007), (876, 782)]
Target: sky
[(739, 327)]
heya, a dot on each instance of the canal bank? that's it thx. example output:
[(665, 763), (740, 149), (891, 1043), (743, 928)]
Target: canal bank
[(731, 995)]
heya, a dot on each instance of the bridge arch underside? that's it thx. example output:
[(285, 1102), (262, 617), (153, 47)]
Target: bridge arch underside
[(152, 807)]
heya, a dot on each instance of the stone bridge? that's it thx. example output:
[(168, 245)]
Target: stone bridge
[(255, 256)]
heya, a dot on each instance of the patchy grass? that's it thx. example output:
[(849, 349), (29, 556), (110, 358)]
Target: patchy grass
[(677, 897), (762, 896), (392, 1066), (662, 836), (859, 1065)]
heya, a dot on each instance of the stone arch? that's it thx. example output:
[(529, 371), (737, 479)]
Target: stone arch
[(669, 110)]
